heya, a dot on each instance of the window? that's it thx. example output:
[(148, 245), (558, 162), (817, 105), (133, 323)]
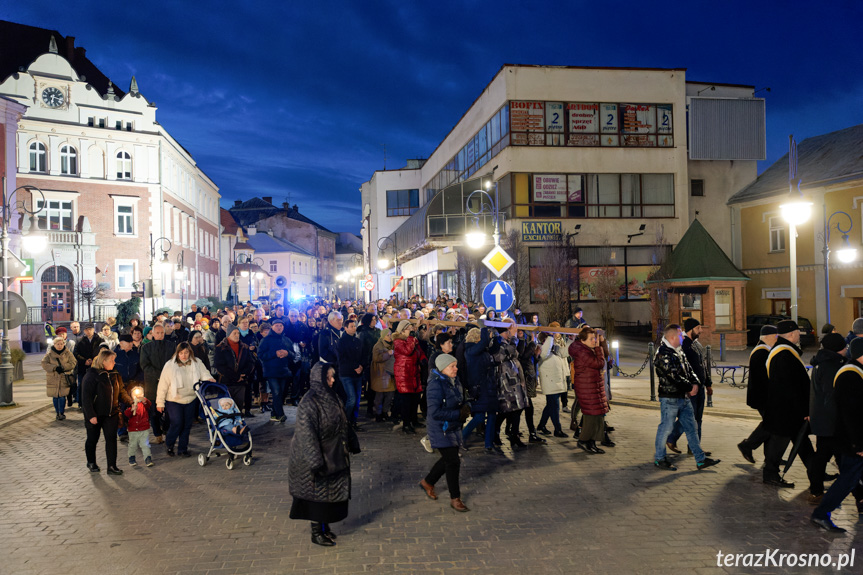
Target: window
[(696, 188), (402, 202), (124, 166), (723, 304), (38, 157), (68, 161), (56, 215), (91, 121), (125, 275), (294, 267), (274, 266), (124, 220), (777, 234), (101, 122), (538, 123), (119, 124)]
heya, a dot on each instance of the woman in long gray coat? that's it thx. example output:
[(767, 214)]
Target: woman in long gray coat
[(319, 467), (59, 364)]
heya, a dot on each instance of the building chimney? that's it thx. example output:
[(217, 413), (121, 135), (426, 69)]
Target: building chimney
[(268, 199), (238, 203), (286, 205), (70, 49), (252, 230), (296, 209), (80, 53)]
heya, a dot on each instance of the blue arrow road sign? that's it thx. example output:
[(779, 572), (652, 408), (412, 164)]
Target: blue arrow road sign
[(498, 295)]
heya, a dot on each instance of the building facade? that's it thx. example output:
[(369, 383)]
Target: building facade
[(615, 163), (109, 178), (829, 168)]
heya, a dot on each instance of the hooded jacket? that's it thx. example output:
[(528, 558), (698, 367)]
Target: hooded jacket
[(445, 397), (321, 427)]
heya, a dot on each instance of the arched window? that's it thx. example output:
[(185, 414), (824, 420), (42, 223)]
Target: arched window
[(124, 166), (38, 157), (68, 161)]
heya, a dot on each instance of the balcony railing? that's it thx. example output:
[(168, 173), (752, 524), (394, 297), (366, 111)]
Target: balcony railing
[(58, 237)]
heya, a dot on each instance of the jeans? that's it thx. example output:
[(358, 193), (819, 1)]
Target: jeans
[(697, 411), (278, 385), (181, 415), (490, 427), (107, 426), (448, 463), (551, 410), (672, 409), (850, 472), (59, 404), (353, 385), (139, 439)]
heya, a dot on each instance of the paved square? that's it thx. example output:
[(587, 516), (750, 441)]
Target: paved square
[(552, 509)]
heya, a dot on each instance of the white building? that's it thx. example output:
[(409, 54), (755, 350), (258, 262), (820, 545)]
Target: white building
[(610, 158), (110, 178)]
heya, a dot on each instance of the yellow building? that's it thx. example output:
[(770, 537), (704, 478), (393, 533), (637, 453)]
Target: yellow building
[(830, 168)]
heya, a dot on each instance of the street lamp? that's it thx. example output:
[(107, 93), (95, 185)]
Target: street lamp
[(250, 274), (846, 255), (239, 259), (476, 239), (164, 265), (6, 217), (180, 274), (795, 211)]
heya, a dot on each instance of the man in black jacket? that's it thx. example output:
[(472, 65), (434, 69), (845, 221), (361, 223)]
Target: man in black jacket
[(787, 408), (677, 383), (692, 329), (154, 356), (756, 391), (350, 356), (848, 390), (328, 340), (85, 351), (235, 365)]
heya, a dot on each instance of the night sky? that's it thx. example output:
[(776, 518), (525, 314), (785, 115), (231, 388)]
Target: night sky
[(296, 100)]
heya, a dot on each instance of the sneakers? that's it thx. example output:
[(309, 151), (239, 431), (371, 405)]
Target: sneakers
[(707, 463), (426, 443), (274, 419), (132, 461), (566, 409), (665, 464), (283, 419), (746, 452), (149, 461)]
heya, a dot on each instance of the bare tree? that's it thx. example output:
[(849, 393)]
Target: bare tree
[(554, 289), (660, 298), (606, 287), (90, 294), (518, 275), (469, 270)]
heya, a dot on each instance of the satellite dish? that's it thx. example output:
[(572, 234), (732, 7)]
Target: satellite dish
[(281, 282)]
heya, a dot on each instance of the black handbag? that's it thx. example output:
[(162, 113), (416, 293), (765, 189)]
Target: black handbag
[(335, 455)]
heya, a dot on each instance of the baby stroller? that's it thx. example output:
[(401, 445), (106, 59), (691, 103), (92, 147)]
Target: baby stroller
[(209, 393)]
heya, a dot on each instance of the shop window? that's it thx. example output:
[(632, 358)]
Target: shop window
[(723, 307)]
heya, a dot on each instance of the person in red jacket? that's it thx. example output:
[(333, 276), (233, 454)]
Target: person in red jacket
[(588, 362), (408, 356), (138, 417)]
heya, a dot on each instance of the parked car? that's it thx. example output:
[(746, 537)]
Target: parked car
[(754, 322)]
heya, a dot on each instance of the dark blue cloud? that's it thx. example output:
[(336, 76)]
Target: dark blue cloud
[(298, 99)]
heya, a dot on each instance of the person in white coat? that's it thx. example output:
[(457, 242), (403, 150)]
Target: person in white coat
[(553, 369), (176, 395)]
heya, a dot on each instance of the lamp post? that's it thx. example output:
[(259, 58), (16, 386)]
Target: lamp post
[(164, 264), (239, 259), (252, 274), (795, 211), (846, 255), (477, 239), (383, 244), (180, 274), (34, 242)]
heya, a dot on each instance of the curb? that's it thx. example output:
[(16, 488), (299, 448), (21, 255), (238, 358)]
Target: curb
[(712, 411), (25, 414)]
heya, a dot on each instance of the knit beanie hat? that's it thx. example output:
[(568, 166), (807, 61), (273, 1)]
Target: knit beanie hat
[(833, 342), (443, 361), (403, 325)]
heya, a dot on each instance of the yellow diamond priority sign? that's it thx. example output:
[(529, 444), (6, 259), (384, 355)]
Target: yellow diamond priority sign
[(498, 261)]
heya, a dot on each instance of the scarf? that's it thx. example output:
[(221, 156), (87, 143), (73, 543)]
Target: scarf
[(235, 347)]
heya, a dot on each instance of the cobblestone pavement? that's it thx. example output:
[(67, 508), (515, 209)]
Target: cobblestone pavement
[(546, 509)]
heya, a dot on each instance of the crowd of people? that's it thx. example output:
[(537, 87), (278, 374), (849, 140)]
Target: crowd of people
[(440, 371), (436, 380)]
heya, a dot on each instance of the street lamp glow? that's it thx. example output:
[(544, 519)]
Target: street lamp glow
[(244, 274), (258, 275), (615, 344), (847, 255), (178, 274), (383, 263), (796, 212), (34, 243), (475, 239), (358, 271)]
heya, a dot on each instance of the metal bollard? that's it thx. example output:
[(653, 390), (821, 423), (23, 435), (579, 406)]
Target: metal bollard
[(707, 374), (652, 373), (721, 347), (615, 345)]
